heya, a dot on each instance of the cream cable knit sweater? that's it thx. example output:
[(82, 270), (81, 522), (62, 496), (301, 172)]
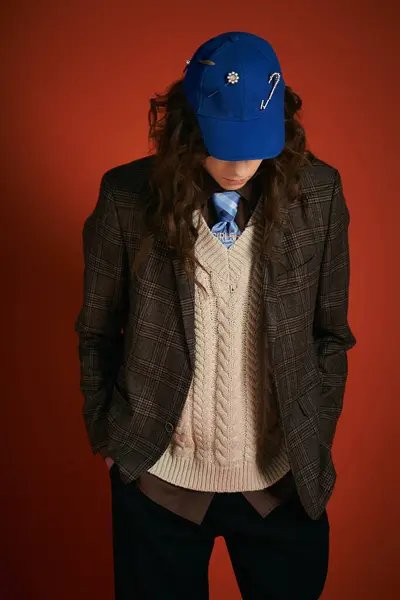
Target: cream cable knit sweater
[(215, 446)]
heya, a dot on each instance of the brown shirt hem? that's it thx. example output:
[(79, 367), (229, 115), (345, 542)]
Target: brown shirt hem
[(193, 504)]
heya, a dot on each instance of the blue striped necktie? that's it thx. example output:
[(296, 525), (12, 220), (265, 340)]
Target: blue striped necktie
[(226, 205)]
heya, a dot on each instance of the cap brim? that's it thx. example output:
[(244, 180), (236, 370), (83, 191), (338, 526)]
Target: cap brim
[(256, 139)]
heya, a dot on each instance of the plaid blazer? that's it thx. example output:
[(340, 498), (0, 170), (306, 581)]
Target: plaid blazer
[(136, 333)]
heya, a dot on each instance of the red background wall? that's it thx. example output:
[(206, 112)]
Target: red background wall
[(76, 81)]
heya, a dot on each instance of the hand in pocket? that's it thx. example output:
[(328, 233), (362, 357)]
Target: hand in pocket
[(109, 462)]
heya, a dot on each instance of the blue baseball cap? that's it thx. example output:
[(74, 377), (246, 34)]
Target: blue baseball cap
[(235, 86)]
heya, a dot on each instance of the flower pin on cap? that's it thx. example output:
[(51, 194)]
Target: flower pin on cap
[(233, 77)]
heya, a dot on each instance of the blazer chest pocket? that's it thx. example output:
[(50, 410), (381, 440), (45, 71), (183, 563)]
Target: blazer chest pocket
[(298, 259), (298, 267)]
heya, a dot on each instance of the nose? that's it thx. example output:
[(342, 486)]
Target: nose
[(238, 169)]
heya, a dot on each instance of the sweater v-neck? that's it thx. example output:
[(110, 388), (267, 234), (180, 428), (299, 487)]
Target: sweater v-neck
[(214, 252)]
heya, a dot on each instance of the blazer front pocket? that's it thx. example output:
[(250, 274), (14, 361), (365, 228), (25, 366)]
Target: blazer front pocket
[(120, 415)]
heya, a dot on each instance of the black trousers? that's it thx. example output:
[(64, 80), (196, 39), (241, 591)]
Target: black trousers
[(161, 556)]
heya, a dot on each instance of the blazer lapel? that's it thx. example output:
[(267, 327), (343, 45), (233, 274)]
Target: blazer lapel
[(269, 290), (185, 288)]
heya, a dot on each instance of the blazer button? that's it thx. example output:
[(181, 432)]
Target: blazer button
[(169, 427)]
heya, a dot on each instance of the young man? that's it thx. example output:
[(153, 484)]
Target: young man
[(213, 336)]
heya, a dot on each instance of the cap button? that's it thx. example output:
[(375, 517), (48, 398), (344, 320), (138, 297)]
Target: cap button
[(235, 37)]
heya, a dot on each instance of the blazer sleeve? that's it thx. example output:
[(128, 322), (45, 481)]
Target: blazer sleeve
[(103, 314), (332, 333)]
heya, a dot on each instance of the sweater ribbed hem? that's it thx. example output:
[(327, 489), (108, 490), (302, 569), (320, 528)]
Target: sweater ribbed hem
[(205, 476)]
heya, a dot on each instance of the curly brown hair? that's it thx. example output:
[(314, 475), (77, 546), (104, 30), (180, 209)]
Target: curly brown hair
[(179, 154)]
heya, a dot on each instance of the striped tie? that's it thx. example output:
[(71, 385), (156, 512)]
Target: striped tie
[(226, 205)]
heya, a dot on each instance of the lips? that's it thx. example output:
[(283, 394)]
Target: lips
[(235, 181)]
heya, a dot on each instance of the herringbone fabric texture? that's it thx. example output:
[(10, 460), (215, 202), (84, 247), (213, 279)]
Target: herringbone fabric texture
[(137, 339)]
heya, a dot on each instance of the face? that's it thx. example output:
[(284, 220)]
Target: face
[(231, 175)]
